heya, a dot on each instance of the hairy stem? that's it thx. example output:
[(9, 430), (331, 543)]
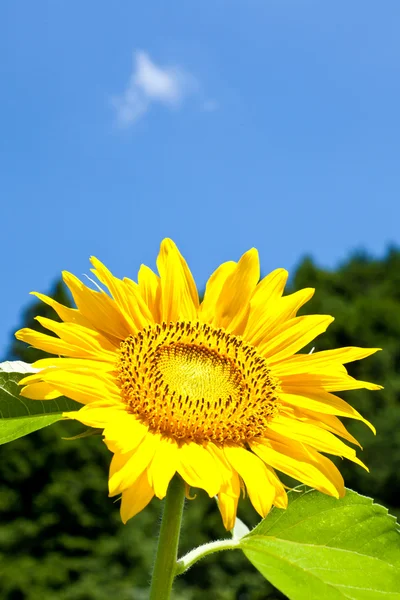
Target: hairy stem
[(167, 550)]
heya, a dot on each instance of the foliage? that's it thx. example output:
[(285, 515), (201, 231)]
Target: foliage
[(60, 536), (321, 547), (20, 416)]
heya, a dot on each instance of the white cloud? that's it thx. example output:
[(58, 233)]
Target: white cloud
[(150, 83)]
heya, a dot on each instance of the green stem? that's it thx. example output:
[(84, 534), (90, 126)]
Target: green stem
[(193, 556), (167, 549)]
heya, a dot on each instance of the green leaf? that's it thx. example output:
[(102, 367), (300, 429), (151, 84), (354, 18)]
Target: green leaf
[(20, 416), (320, 547), (12, 429)]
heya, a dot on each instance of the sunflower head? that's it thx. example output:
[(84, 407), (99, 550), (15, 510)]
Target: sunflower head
[(216, 392)]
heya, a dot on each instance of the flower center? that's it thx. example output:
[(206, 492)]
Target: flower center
[(191, 381)]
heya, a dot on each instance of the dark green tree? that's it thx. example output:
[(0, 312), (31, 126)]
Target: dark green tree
[(364, 296)]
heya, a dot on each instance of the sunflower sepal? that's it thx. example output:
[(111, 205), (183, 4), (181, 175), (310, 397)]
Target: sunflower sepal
[(84, 434)]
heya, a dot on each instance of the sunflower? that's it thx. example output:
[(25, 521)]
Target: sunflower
[(214, 391)]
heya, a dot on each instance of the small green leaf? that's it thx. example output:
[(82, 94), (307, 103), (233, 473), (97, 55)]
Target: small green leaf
[(20, 416), (12, 429), (320, 547)]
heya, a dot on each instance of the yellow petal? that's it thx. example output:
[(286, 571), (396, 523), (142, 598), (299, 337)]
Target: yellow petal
[(150, 289), (49, 343), (124, 434), (326, 421), (301, 462), (321, 401), (66, 314), (77, 385), (179, 297), (281, 498), (89, 340), (293, 335), (198, 468), (269, 290), (126, 295), (233, 304), (138, 462), (228, 499), (97, 414), (223, 464), (70, 364), (39, 391), (213, 290), (286, 309), (136, 498), (254, 474), (318, 361), (268, 310), (264, 300), (140, 312), (163, 466), (333, 381), (308, 433), (291, 304), (116, 287), (119, 461), (98, 308)]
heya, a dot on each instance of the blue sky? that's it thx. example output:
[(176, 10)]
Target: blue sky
[(221, 124)]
